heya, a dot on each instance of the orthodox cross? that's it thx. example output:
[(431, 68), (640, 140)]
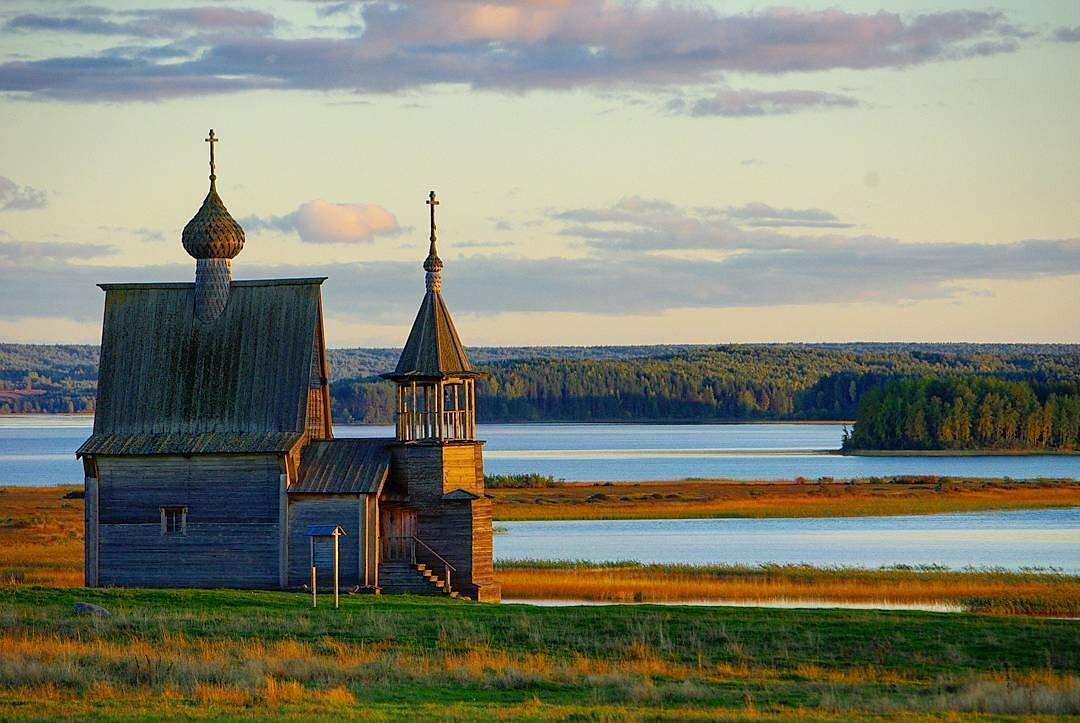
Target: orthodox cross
[(433, 203), (212, 139)]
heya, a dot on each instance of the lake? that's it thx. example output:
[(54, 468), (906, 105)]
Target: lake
[(1012, 540), (39, 449)]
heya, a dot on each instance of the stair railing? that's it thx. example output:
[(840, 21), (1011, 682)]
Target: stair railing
[(440, 558)]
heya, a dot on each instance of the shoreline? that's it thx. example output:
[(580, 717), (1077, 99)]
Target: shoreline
[(798, 498), (957, 452)]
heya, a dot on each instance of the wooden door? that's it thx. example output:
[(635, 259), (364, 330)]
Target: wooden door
[(398, 528)]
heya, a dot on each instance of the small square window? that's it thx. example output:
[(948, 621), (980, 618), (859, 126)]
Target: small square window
[(173, 520)]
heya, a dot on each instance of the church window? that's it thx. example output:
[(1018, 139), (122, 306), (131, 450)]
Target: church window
[(173, 520)]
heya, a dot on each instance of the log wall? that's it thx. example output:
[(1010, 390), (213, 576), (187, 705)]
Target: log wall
[(344, 510), (233, 524)]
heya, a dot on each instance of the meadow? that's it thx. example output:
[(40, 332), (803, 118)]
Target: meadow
[(163, 654), (825, 497), (168, 654)]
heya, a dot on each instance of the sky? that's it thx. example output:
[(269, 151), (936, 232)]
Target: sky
[(609, 172)]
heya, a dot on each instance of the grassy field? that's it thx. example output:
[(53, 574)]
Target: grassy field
[(798, 498), (997, 591), (170, 654)]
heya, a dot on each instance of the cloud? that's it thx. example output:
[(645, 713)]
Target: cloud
[(145, 23), (760, 214), (18, 252), (1067, 35), (506, 46), (642, 256), (14, 197), (743, 103), (320, 221)]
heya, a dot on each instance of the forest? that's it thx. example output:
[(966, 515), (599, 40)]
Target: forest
[(974, 412), (674, 383), (710, 384)]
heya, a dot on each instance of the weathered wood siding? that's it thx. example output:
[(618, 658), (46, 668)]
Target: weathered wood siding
[(461, 463), (344, 510), (232, 534), (458, 530), (416, 470)]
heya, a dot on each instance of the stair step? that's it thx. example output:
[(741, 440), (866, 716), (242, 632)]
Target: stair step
[(404, 577)]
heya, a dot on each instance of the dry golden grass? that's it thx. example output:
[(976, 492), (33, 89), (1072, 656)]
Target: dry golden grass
[(992, 591), (242, 654), (41, 536), (56, 668), (729, 498)]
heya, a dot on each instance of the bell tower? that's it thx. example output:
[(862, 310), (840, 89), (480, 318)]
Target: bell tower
[(438, 466), (436, 384)]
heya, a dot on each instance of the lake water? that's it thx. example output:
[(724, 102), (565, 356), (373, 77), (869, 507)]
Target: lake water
[(39, 449), (1012, 540)]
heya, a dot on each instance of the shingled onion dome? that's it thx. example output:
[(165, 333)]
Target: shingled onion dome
[(212, 237)]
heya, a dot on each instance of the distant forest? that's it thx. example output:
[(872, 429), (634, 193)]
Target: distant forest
[(675, 383), (977, 412)]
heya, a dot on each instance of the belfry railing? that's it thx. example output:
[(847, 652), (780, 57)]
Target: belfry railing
[(442, 411)]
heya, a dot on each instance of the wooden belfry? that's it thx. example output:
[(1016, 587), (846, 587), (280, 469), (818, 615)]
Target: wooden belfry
[(436, 384)]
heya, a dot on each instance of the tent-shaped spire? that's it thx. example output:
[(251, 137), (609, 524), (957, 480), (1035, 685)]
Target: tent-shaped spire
[(433, 350)]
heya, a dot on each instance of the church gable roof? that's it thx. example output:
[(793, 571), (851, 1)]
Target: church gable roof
[(164, 373), (343, 466)]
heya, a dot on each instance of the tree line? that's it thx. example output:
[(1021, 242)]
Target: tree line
[(683, 383), (730, 383), (974, 412)]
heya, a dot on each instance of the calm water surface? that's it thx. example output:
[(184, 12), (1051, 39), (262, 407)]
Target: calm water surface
[(1013, 540), (39, 449)]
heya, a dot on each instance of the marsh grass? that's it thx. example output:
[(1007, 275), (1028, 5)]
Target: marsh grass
[(230, 653), (988, 591), (797, 498)]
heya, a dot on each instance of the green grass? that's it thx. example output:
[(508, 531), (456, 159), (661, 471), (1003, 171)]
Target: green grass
[(231, 653)]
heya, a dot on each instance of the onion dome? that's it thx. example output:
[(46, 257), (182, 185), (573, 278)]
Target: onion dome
[(212, 233)]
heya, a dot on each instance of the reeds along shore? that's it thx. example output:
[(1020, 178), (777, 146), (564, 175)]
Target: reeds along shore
[(824, 497), (996, 591)]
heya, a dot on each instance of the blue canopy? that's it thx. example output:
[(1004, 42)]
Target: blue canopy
[(324, 531)]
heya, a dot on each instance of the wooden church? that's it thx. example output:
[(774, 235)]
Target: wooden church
[(213, 461)]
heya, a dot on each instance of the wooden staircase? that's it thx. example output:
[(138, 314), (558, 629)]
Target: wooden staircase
[(413, 579)]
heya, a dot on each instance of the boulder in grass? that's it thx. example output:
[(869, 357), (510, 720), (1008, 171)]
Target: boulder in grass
[(85, 608)]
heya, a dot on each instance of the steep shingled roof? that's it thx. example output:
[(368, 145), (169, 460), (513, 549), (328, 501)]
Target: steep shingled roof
[(433, 349), (167, 382)]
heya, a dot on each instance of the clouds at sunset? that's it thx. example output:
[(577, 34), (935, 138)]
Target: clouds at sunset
[(741, 103), (636, 263), (611, 171), (320, 221), (388, 47), (14, 197)]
